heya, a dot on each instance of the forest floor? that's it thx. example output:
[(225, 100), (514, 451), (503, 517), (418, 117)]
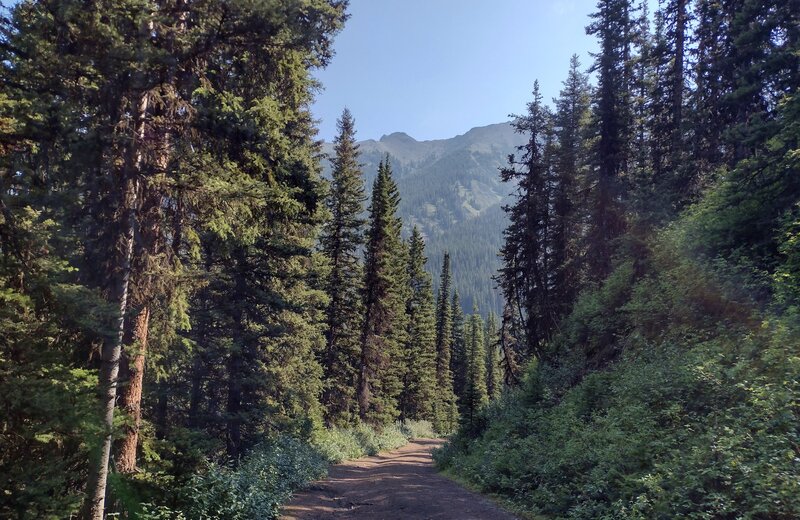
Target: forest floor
[(401, 484)]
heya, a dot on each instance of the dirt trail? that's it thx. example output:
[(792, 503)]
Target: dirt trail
[(399, 485)]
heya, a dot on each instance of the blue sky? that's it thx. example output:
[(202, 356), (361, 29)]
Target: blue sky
[(436, 68)]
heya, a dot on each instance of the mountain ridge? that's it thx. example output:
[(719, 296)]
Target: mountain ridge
[(451, 189)]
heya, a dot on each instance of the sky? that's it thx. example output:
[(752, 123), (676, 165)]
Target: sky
[(436, 68)]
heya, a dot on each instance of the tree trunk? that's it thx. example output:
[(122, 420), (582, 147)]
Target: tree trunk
[(131, 395), (94, 508)]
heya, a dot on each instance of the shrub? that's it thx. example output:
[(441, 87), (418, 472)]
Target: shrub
[(255, 488), (390, 438), (417, 429), (339, 444)]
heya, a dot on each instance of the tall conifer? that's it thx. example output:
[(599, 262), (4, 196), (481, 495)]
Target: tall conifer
[(475, 395), (570, 121), (458, 351), (381, 369), (494, 374), (445, 409), (420, 384), (524, 276), (612, 117), (341, 242)]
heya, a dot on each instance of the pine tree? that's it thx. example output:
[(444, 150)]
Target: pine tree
[(341, 242), (385, 294), (475, 393), (420, 384), (445, 409), (494, 374)]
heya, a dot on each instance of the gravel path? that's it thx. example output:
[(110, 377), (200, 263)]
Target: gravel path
[(398, 485)]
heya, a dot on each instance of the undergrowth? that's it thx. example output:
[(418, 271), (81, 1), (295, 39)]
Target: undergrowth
[(266, 477)]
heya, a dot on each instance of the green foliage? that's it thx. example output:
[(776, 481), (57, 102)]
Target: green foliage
[(596, 321), (682, 430), (494, 373), (445, 411), (418, 429), (341, 240), (48, 407), (420, 382), (475, 395), (256, 487), (696, 418), (339, 444), (386, 288)]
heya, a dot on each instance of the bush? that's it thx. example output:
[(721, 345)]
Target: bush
[(255, 488), (390, 438), (417, 429), (339, 444), (693, 414)]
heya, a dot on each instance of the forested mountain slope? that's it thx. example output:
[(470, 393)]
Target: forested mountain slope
[(451, 189), (651, 332)]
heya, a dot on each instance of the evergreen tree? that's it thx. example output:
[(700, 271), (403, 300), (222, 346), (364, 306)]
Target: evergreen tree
[(458, 352), (445, 408), (420, 384), (341, 242), (169, 128), (524, 276), (494, 374), (475, 393), (707, 120), (570, 121), (385, 294), (673, 182), (612, 118)]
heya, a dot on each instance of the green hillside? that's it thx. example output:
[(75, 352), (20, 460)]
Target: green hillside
[(451, 189)]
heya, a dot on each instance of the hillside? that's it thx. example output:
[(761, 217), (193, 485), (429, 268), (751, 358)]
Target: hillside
[(451, 189)]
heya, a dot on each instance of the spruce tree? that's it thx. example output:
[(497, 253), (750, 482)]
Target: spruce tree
[(420, 384), (381, 369), (458, 351), (612, 118), (524, 276), (570, 121), (475, 394), (342, 240), (494, 374), (445, 408)]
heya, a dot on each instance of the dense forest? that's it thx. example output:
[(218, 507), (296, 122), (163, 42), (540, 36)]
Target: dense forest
[(194, 322), (651, 328)]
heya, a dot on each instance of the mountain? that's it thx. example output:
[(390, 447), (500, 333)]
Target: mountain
[(451, 189)]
